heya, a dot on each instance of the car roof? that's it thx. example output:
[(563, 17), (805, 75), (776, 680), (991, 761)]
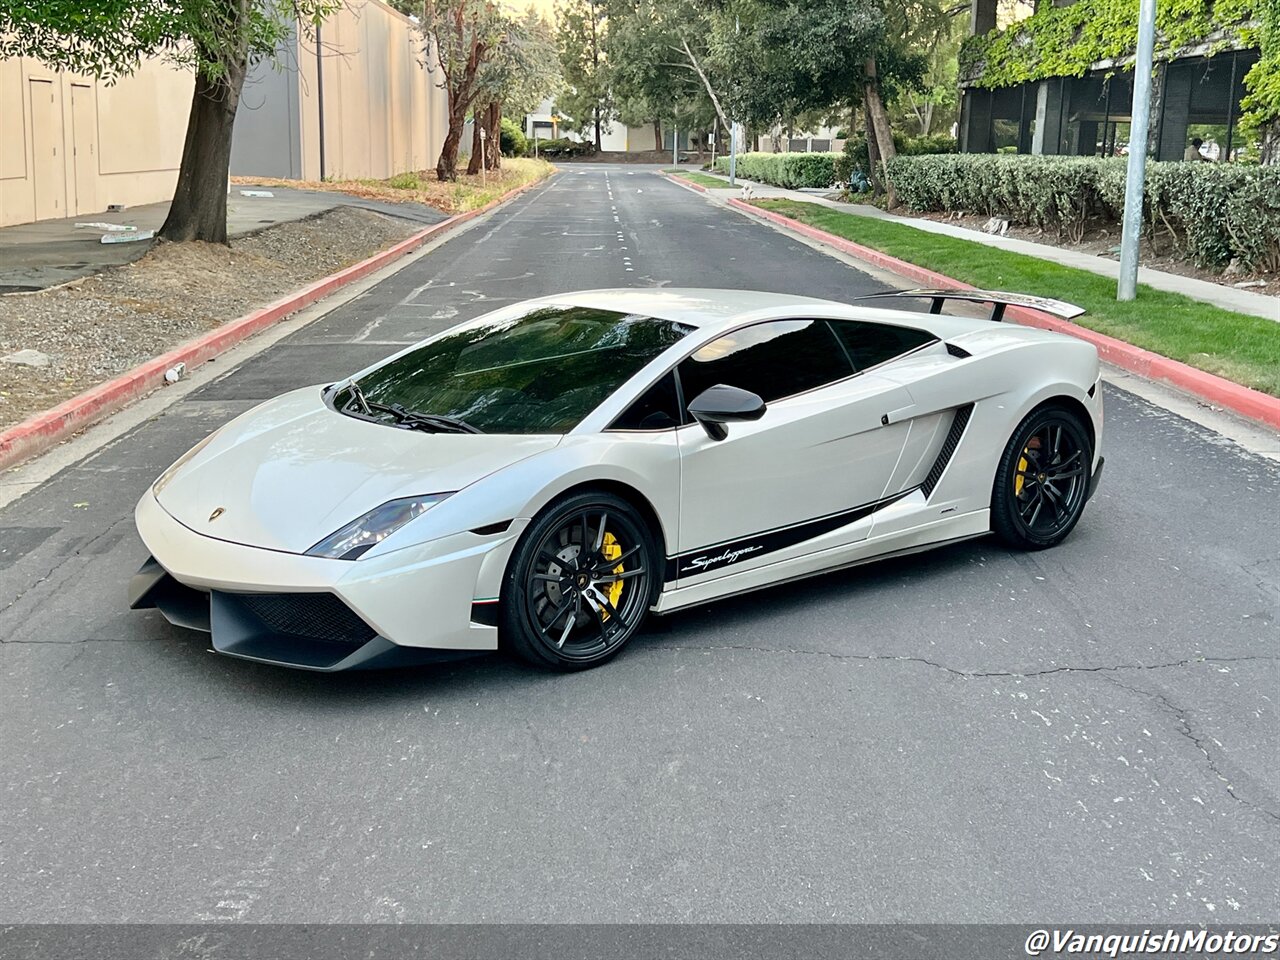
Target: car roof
[(710, 309), (694, 306)]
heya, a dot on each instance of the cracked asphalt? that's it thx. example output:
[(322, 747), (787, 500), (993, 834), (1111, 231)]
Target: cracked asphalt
[(1086, 734)]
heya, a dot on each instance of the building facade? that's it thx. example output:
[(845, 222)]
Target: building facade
[(1196, 94), (360, 100), (71, 146), (366, 106)]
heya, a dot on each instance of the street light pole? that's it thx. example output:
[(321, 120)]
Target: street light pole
[(1127, 289), (675, 145), (733, 153)]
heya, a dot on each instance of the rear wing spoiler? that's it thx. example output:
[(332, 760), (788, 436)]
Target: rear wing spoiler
[(997, 298)]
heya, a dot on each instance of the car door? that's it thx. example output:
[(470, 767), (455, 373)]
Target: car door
[(800, 478)]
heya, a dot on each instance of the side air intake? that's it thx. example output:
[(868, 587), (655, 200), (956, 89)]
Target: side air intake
[(948, 448)]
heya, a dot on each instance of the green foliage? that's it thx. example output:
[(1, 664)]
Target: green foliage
[(521, 68), (1261, 104), (791, 170), (109, 38), (563, 147), (854, 156), (514, 142), (463, 33), (652, 75), (1065, 41), (701, 179), (585, 102), (409, 180), (1211, 212), (1243, 348), (786, 57)]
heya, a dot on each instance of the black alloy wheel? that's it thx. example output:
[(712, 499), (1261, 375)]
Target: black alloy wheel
[(580, 582), (1043, 480)]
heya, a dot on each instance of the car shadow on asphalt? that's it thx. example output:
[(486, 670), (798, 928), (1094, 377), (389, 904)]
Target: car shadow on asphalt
[(494, 674)]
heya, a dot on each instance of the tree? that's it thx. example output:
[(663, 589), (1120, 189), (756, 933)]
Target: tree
[(659, 65), (790, 57), (462, 35), (520, 72), (218, 39), (581, 29)]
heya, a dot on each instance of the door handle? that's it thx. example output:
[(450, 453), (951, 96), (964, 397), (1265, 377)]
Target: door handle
[(896, 416)]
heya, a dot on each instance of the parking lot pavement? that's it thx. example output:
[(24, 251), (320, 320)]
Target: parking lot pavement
[(1083, 734)]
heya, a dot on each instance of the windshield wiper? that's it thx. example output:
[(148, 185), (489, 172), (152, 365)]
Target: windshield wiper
[(359, 397), (436, 422)]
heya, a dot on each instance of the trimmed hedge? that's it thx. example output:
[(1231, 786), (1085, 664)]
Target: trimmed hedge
[(564, 147), (1211, 212), (855, 159), (791, 170)]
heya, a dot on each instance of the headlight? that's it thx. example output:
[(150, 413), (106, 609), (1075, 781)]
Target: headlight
[(356, 537), (163, 480)]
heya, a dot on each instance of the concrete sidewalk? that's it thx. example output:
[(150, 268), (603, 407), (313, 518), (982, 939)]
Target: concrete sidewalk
[(43, 254), (1228, 298)]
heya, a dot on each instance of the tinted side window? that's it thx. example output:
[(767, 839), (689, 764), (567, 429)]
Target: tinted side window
[(872, 343), (775, 360), (657, 408)]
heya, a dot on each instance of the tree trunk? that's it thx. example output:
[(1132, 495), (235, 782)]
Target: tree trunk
[(706, 82), (447, 165), (878, 120), (599, 142), (199, 207), (477, 144), (873, 155), (1269, 144), (459, 92), (657, 135), (494, 160)]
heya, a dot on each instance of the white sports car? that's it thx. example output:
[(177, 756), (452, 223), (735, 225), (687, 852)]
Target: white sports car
[(546, 475)]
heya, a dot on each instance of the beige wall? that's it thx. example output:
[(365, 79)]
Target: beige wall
[(69, 145), (640, 139), (384, 113)]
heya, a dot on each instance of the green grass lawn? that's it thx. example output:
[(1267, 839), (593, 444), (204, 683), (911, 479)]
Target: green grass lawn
[(701, 179), (1237, 346)]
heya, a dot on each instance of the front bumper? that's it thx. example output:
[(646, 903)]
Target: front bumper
[(413, 605), (1095, 479)]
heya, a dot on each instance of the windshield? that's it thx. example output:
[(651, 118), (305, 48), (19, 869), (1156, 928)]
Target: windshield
[(538, 373)]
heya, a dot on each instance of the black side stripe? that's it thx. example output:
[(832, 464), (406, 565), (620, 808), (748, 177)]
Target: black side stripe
[(706, 559), (948, 449)]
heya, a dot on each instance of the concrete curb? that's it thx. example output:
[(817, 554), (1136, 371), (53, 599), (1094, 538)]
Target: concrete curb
[(682, 182), (36, 434), (1212, 389)]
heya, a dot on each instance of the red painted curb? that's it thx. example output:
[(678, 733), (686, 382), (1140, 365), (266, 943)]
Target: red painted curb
[(36, 434), (676, 178), (1215, 390)]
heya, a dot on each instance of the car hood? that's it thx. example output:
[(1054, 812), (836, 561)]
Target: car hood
[(290, 472)]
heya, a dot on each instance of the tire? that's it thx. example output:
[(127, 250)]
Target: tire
[(559, 610), (1042, 480)]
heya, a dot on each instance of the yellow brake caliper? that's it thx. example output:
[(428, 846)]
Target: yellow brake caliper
[(1023, 463), (612, 550)]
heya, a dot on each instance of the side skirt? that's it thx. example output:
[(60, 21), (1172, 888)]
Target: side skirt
[(915, 540)]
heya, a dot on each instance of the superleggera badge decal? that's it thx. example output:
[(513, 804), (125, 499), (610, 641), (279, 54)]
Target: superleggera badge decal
[(694, 563), (702, 564)]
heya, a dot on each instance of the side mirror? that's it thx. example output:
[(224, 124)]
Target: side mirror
[(718, 405)]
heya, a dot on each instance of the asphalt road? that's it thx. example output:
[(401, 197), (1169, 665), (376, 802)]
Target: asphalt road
[(1084, 734)]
